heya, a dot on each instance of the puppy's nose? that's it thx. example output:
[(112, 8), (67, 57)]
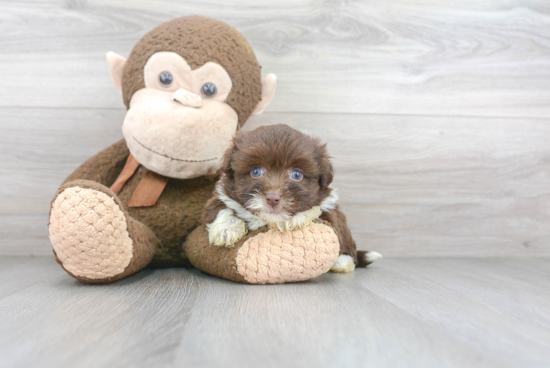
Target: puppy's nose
[(273, 199)]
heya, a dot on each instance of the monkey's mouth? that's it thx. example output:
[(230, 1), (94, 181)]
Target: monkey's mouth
[(172, 158)]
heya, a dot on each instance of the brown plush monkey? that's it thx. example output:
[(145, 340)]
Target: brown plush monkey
[(188, 84)]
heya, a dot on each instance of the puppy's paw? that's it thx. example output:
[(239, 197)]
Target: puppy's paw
[(343, 264), (227, 229)]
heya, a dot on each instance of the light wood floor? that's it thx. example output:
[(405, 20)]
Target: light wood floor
[(397, 313)]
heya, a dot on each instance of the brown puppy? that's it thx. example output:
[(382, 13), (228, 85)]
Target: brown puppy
[(279, 177)]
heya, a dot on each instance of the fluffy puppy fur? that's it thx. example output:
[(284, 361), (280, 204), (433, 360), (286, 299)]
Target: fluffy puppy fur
[(279, 177)]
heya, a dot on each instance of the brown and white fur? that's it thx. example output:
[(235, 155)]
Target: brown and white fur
[(279, 177)]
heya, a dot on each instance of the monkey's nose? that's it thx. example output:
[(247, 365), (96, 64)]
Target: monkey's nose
[(187, 98), (273, 199)]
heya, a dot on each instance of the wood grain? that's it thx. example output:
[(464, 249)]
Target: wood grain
[(436, 113), (439, 186), (39, 149), (410, 186), (398, 313), (401, 57)]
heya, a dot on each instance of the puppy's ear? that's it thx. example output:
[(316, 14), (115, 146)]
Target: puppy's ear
[(227, 158), (327, 171)]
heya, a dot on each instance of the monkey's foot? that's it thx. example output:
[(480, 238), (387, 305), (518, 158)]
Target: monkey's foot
[(93, 238), (267, 256)]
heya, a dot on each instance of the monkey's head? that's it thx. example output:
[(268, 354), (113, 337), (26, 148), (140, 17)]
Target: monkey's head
[(188, 85)]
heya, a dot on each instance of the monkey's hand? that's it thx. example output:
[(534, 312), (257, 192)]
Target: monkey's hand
[(227, 229)]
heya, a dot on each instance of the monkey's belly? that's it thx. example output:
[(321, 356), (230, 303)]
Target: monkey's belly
[(177, 212)]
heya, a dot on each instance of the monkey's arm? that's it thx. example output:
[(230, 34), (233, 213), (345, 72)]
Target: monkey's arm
[(104, 167), (266, 256)]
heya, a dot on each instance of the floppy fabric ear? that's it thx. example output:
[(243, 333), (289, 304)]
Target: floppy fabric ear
[(116, 67), (268, 91), (327, 171)]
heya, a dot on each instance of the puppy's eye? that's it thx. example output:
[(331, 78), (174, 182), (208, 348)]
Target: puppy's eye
[(296, 175), (166, 79), (209, 90), (256, 172)]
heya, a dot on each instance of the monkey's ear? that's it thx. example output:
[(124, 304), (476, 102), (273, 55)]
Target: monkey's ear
[(268, 91), (116, 67)]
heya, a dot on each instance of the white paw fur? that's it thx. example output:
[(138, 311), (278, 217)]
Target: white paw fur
[(227, 229), (343, 264)]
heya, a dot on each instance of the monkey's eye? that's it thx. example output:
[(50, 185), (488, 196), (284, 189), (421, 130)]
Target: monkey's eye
[(166, 79), (296, 175), (209, 89), (256, 172)]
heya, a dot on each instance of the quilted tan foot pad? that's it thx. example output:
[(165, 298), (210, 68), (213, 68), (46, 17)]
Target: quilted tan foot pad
[(89, 234), (276, 257)]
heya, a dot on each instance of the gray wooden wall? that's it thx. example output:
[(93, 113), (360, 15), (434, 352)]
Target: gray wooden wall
[(437, 112)]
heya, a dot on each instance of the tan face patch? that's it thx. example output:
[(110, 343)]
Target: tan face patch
[(276, 257), (89, 234), (175, 140), (184, 77)]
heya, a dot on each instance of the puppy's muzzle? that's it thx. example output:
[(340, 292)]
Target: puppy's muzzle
[(273, 199)]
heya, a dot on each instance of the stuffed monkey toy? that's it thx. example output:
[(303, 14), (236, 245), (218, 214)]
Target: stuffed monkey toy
[(188, 86)]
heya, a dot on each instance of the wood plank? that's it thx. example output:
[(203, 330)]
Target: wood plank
[(331, 322), (438, 186), (20, 273), (398, 313), (480, 302), (63, 322), (411, 186), (438, 58), (39, 149)]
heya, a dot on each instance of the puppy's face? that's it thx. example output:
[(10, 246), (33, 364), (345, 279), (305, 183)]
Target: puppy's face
[(276, 171)]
